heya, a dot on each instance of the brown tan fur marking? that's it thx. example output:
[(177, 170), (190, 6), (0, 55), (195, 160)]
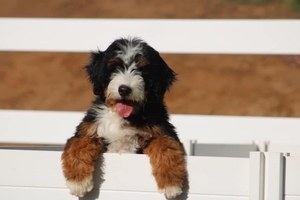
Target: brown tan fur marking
[(143, 62), (111, 103), (114, 61), (143, 140), (156, 131), (87, 128), (81, 152), (168, 163)]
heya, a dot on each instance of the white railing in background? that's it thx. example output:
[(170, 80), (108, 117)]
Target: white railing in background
[(218, 147), (166, 35)]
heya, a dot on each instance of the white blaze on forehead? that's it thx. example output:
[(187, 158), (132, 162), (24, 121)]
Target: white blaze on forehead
[(129, 77), (128, 51)]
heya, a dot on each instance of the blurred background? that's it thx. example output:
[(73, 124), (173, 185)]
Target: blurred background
[(245, 85)]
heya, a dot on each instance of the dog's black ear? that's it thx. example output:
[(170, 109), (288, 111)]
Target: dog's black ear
[(164, 76), (168, 76), (93, 70)]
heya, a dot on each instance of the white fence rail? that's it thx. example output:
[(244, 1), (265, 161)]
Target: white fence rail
[(166, 35), (206, 179), (220, 167), (37, 174)]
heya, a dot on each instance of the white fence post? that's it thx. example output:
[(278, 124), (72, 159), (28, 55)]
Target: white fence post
[(257, 169), (275, 176), (292, 177)]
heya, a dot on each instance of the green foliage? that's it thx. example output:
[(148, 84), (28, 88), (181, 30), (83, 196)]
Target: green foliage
[(295, 4)]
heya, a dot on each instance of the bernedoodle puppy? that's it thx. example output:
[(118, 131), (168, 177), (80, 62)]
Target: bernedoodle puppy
[(129, 115)]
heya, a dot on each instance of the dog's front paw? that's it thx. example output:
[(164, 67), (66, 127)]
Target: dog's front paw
[(80, 188), (171, 191)]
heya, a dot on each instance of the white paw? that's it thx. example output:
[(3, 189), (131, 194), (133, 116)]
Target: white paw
[(171, 192), (79, 189)]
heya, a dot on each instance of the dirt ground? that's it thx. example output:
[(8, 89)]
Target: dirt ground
[(208, 84)]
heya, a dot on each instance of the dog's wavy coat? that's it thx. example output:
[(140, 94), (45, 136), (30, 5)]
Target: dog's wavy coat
[(128, 116)]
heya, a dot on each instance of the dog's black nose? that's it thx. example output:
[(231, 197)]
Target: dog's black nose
[(124, 90)]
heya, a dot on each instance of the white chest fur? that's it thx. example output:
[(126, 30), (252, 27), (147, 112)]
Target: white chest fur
[(111, 128)]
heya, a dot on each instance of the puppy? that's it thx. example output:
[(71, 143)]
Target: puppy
[(128, 115)]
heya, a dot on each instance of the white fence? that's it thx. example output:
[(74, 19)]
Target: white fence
[(219, 164)]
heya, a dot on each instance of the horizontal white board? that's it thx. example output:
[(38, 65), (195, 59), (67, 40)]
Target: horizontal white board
[(165, 35), (17, 193), (236, 129), (41, 127), (224, 150), (127, 172), (55, 127)]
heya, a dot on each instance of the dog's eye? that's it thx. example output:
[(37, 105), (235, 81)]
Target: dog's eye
[(137, 57), (144, 71), (133, 70)]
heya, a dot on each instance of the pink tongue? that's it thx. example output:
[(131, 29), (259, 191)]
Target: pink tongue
[(124, 110)]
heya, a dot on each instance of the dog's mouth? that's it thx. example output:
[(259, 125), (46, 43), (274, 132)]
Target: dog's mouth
[(124, 108)]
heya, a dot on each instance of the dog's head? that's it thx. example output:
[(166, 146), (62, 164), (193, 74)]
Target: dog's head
[(128, 74)]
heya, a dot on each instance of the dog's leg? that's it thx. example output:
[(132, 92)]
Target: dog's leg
[(168, 165), (79, 157)]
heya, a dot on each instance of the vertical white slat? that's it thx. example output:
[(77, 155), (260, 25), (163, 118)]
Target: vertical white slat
[(292, 176), (275, 176), (188, 146), (262, 145), (256, 176)]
